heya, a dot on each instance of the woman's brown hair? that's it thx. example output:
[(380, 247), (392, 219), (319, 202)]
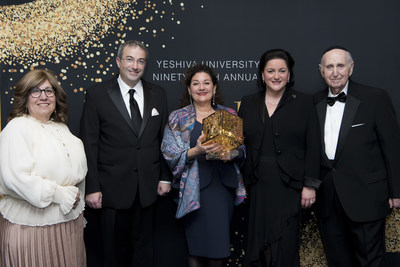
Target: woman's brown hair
[(31, 80)]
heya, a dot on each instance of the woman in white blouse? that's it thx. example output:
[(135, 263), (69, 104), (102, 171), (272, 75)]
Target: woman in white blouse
[(42, 171)]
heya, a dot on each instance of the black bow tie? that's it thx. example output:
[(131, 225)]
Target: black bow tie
[(341, 98)]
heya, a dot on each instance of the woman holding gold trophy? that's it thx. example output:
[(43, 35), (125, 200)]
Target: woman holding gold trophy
[(208, 188)]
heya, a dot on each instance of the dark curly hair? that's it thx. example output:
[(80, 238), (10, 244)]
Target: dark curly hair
[(275, 54), (185, 98), (33, 79)]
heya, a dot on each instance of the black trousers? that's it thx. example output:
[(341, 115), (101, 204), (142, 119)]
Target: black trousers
[(351, 244), (120, 238)]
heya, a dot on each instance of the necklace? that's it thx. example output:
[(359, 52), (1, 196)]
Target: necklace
[(205, 113), (269, 102)]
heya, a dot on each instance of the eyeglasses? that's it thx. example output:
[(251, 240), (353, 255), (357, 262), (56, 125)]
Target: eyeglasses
[(36, 92), (140, 61)]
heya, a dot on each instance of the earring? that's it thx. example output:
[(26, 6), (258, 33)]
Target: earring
[(191, 101), (213, 100)]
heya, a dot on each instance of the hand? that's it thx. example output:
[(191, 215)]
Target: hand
[(77, 199), (94, 200), (307, 197), (206, 149), (163, 189), (394, 202), (203, 149)]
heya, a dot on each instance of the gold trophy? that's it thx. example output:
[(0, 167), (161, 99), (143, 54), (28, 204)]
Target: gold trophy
[(225, 129)]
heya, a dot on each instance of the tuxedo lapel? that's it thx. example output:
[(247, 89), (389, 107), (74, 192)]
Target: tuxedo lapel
[(146, 107), (349, 113), (116, 98)]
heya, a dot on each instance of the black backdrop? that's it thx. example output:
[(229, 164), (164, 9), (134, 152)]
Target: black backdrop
[(78, 41)]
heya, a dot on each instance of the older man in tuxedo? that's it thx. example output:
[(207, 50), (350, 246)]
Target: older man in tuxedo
[(359, 166), (121, 127)]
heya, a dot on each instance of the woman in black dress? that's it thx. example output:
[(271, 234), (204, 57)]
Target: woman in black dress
[(281, 168), (208, 189)]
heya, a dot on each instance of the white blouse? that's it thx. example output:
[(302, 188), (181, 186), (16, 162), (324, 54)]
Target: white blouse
[(42, 168)]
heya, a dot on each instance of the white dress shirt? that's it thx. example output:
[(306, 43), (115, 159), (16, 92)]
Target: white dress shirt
[(333, 121), (139, 97)]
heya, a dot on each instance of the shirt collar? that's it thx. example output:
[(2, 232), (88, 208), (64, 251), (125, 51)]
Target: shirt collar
[(125, 88), (345, 89)]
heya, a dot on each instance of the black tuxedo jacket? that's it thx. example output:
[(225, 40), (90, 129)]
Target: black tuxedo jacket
[(295, 133), (366, 169), (122, 162)]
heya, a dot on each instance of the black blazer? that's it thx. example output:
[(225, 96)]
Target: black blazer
[(296, 137), (365, 172), (122, 162)]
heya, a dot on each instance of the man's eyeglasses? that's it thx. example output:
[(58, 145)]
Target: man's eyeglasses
[(140, 61), (36, 92)]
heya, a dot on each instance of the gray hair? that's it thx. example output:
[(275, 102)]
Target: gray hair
[(134, 43)]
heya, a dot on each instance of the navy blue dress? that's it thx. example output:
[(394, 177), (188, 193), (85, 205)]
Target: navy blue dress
[(208, 228)]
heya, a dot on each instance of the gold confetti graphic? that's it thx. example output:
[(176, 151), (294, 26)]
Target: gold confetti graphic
[(79, 39), (52, 30), (392, 231), (311, 248)]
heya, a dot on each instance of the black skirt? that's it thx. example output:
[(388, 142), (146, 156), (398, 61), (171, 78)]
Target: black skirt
[(274, 212)]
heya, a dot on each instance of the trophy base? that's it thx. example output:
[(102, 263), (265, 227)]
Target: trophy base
[(229, 155)]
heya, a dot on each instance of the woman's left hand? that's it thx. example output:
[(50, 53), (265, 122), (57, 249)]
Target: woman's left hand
[(77, 199), (307, 197)]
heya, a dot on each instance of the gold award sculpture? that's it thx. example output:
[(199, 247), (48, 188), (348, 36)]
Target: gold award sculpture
[(225, 129)]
